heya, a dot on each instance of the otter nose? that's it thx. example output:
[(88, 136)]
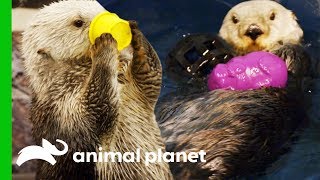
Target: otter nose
[(253, 31)]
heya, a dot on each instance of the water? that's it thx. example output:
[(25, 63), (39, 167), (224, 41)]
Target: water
[(164, 22)]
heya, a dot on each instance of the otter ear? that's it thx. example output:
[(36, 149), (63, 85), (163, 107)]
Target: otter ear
[(294, 16), (41, 51), (44, 53)]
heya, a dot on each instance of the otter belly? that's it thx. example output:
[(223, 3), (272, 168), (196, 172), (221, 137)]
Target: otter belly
[(241, 131)]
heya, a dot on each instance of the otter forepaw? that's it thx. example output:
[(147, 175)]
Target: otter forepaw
[(133, 24), (104, 43), (295, 57), (137, 36), (140, 57)]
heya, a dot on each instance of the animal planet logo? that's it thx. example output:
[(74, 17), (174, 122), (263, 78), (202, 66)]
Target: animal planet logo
[(45, 152)]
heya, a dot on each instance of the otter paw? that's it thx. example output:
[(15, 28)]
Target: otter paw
[(139, 51), (296, 59), (137, 37), (133, 24), (104, 43)]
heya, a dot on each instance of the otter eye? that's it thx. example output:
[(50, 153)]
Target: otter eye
[(235, 20), (272, 16), (78, 23)]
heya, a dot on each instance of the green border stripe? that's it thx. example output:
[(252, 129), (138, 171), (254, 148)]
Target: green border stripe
[(5, 91)]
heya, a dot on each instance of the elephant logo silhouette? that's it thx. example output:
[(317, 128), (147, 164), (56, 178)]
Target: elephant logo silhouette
[(45, 152)]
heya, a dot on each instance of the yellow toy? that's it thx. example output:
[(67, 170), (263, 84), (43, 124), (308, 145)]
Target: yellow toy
[(107, 22)]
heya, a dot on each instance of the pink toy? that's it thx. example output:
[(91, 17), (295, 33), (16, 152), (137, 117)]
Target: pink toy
[(252, 71)]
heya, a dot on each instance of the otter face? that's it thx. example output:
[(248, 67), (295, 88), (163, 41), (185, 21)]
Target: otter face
[(60, 31), (260, 25)]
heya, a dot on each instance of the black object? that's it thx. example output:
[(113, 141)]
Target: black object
[(196, 55)]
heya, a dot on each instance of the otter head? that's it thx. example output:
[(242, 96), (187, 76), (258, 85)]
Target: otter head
[(57, 33), (60, 30), (260, 25)]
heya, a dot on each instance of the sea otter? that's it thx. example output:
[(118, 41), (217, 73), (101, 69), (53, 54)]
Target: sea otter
[(268, 26), (241, 131), (91, 96)]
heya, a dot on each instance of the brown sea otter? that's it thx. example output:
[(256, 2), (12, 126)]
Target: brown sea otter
[(241, 131), (92, 96)]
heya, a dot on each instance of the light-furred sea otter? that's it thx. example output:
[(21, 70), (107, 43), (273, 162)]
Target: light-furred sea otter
[(92, 96), (241, 131)]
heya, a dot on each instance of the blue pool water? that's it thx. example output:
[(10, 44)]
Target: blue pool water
[(164, 22)]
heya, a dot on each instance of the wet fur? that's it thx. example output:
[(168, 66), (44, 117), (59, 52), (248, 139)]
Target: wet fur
[(241, 131), (92, 96)]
